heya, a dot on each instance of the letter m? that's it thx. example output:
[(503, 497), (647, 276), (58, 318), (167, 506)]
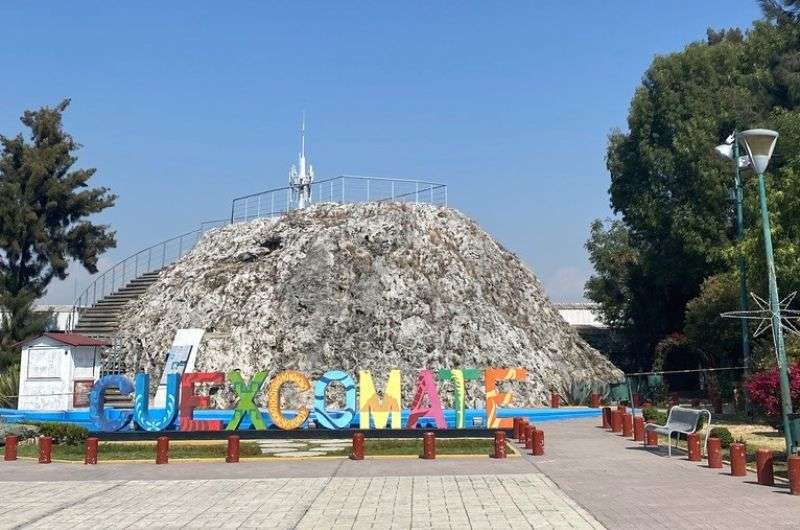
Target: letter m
[(371, 406)]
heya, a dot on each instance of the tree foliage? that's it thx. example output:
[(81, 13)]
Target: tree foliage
[(672, 196), (44, 208)]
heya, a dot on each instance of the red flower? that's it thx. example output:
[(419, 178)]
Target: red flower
[(764, 390)]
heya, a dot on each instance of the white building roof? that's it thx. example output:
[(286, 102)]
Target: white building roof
[(581, 314)]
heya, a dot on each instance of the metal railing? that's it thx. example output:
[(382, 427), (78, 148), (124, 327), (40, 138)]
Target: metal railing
[(151, 259), (341, 189), (270, 203)]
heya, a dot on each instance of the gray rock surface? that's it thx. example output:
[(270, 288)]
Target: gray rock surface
[(370, 286)]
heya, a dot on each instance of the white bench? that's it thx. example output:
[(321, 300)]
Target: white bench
[(681, 421)]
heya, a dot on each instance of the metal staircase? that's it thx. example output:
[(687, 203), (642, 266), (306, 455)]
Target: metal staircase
[(101, 320)]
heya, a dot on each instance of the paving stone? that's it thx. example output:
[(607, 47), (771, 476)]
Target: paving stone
[(299, 454)]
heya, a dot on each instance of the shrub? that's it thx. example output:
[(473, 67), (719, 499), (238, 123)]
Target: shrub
[(724, 435), (64, 433), (9, 386), (653, 415), (578, 392), (765, 392), (21, 430)]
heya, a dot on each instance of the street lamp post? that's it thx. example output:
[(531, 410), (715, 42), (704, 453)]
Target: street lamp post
[(730, 151), (742, 264), (759, 144)]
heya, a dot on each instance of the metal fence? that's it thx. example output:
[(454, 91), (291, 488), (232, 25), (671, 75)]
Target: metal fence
[(341, 189), (151, 259), (270, 203)]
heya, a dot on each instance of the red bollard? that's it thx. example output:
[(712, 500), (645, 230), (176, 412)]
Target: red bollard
[(538, 443), (714, 449), (627, 425), (606, 417), (638, 429), (232, 456), (651, 438), (45, 449), (515, 433), (429, 446), (529, 433), (499, 444), (595, 399), (794, 474), (616, 421), (764, 468), (555, 401), (693, 443), (738, 460), (357, 452), (522, 430), (162, 450), (622, 408), (636, 401), (91, 451), (10, 452)]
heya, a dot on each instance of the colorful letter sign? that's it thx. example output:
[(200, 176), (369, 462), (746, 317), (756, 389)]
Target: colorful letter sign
[(321, 413), (191, 401), (370, 405), (459, 389), (426, 386), (247, 394), (97, 403), (274, 399), (495, 399), (375, 412), (141, 409)]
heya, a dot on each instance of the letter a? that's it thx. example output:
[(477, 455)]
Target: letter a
[(426, 386)]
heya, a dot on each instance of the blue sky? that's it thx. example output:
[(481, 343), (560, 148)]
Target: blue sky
[(183, 106)]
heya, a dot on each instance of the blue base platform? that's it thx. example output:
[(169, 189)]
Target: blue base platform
[(81, 416)]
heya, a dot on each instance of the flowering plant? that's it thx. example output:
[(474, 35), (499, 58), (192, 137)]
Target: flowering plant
[(764, 390)]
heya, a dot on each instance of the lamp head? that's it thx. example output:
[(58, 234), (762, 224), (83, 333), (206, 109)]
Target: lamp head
[(759, 144), (724, 151)]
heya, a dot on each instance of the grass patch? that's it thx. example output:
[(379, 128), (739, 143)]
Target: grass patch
[(111, 451), (444, 446), (120, 451)]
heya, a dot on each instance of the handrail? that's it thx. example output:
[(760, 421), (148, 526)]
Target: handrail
[(339, 189), (152, 258)]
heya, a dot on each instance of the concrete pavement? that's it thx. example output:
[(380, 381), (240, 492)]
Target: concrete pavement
[(588, 479), (625, 485)]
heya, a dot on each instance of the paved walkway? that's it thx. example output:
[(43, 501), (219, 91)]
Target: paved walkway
[(588, 479), (625, 485)]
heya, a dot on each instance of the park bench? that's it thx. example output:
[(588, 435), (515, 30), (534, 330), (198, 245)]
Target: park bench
[(681, 421)]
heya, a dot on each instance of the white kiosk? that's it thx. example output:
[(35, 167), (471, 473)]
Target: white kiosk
[(57, 371)]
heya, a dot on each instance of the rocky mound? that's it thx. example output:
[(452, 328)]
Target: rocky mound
[(368, 286)]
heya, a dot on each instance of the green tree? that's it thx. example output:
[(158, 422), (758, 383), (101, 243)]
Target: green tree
[(785, 11), (672, 196), (717, 339), (44, 206)]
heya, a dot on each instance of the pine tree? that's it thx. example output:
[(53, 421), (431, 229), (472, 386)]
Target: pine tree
[(781, 10), (44, 206)]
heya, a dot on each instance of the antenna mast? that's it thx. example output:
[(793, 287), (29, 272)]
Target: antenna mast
[(302, 175)]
